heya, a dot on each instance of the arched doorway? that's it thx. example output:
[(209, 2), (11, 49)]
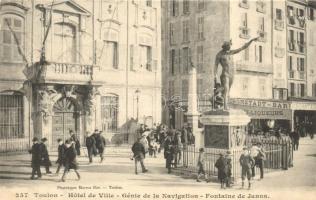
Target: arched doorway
[(65, 118)]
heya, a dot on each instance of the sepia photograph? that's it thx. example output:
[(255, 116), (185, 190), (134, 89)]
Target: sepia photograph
[(157, 99)]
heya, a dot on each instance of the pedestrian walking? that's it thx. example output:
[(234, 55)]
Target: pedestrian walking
[(45, 156), (296, 139), (144, 141), (246, 162), (201, 163), (61, 154), (91, 146), (74, 138), (168, 152), (254, 151), (100, 144), (70, 160), (138, 150), (36, 159), (221, 165)]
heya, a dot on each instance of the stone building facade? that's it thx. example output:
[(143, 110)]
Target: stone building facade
[(263, 79), (78, 65)]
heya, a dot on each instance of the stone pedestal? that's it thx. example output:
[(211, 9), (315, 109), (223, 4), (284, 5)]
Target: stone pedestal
[(225, 129)]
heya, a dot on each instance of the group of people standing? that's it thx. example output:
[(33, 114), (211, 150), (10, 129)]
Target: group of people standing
[(67, 153), (95, 144), (159, 138), (250, 158)]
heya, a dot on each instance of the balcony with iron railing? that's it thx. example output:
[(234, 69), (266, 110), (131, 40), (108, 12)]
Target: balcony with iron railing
[(279, 24), (54, 72), (244, 32)]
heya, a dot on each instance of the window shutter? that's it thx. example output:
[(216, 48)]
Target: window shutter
[(131, 57), (136, 57), (170, 62)]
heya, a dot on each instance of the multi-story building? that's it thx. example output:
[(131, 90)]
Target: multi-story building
[(79, 65), (195, 30)]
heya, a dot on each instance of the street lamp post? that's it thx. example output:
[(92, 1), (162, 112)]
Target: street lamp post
[(137, 91)]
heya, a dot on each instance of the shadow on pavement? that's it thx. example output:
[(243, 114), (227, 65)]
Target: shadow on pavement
[(312, 155), (27, 178), (12, 172)]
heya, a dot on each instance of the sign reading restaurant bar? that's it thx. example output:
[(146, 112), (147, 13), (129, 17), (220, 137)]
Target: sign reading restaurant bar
[(263, 109)]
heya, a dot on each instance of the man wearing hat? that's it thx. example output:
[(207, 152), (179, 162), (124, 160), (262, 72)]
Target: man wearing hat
[(36, 158), (138, 150), (224, 58), (91, 146), (100, 144), (45, 156)]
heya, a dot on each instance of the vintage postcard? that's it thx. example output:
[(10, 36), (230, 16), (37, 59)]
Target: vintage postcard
[(157, 99)]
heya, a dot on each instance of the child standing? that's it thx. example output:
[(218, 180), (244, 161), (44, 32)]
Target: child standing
[(201, 162), (246, 162), (221, 165)]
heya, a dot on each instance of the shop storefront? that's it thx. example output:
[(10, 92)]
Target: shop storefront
[(265, 114)]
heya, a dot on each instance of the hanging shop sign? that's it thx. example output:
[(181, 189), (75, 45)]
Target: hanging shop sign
[(263, 109)]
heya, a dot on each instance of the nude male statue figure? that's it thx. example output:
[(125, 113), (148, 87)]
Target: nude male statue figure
[(223, 57)]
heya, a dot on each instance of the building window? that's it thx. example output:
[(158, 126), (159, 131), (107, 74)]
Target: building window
[(174, 8), (291, 40), (185, 89), (301, 41), (302, 89), (65, 39), (186, 31), (109, 112), (278, 14), (292, 89), (172, 61), (186, 60), (149, 3), (200, 59), (186, 6), (111, 54), (300, 64), (261, 31), (11, 116), (244, 26), (290, 13), (260, 51), (290, 63), (201, 4), (172, 33), (146, 57), (11, 38), (261, 6), (201, 28), (311, 14), (262, 88)]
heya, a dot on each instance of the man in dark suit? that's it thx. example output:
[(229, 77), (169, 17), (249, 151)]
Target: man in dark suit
[(45, 156), (61, 154), (91, 145), (100, 144), (70, 160), (75, 139), (36, 158), (139, 155)]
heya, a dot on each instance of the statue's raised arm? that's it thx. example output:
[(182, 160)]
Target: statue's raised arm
[(245, 46)]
